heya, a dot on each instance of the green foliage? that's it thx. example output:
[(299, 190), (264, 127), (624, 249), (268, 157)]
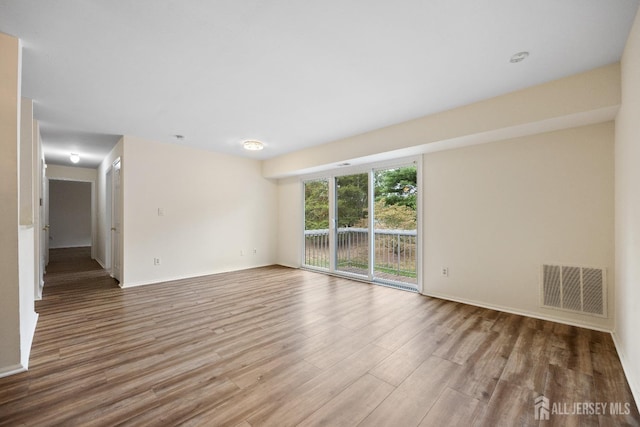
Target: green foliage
[(353, 199), (397, 186), (394, 217), (395, 200), (316, 205)]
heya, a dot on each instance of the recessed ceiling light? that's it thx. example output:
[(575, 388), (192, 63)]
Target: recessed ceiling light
[(75, 158), (518, 57), (253, 145)]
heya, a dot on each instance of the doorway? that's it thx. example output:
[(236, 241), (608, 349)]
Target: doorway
[(365, 225), (70, 217), (113, 220)]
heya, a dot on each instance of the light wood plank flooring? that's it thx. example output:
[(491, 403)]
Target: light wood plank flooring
[(278, 347)]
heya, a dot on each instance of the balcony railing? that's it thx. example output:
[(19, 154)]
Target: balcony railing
[(395, 252)]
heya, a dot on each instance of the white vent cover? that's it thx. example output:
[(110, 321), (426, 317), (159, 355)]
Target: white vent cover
[(577, 289)]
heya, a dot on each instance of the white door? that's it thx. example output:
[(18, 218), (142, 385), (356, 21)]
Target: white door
[(116, 223)]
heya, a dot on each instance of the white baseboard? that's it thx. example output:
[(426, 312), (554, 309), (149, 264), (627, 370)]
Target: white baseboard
[(288, 265), (624, 360), (520, 312), (12, 370), (194, 276)]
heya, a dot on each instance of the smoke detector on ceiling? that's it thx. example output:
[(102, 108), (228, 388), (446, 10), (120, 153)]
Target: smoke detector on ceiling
[(519, 57)]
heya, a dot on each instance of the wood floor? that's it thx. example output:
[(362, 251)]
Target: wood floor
[(278, 347)]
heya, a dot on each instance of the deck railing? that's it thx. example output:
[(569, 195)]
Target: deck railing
[(395, 251)]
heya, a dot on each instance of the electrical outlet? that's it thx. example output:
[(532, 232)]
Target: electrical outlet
[(444, 272), (156, 261)]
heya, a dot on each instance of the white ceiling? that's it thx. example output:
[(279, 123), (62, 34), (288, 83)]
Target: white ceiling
[(291, 73)]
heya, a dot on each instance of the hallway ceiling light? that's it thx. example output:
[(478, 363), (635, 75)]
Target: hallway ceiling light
[(253, 145), (75, 158)]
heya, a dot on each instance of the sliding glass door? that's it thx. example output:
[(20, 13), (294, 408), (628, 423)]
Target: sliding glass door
[(396, 225), (365, 225), (316, 224), (352, 224)]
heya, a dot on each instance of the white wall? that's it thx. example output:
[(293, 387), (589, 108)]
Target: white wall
[(28, 316), (627, 160), (494, 213), (215, 207), (69, 214)]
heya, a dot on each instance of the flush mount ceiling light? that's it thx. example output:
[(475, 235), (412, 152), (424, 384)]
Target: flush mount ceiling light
[(518, 57), (252, 145), (75, 158)]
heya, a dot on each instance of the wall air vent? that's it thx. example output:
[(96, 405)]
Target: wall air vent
[(576, 289)]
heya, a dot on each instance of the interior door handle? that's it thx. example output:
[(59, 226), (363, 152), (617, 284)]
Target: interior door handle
[(45, 228)]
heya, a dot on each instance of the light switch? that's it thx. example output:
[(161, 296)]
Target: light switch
[(160, 212)]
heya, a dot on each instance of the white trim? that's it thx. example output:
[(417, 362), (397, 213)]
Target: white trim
[(624, 361), (421, 212), (12, 370), (25, 357), (194, 276), (99, 261), (330, 176), (365, 167), (282, 264), (519, 312)]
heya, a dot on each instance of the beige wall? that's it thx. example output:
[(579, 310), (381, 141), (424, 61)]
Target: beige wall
[(215, 207), (26, 162), (9, 125), (290, 222), (627, 158), (17, 317), (559, 104), (494, 213), (71, 173)]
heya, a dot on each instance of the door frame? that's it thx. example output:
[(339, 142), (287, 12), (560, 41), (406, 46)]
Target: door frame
[(330, 176), (114, 211)]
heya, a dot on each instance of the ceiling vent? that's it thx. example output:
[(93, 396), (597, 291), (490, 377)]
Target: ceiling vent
[(576, 289)]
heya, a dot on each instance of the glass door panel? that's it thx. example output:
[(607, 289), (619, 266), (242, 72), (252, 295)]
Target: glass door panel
[(395, 225), (316, 224), (352, 227)]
